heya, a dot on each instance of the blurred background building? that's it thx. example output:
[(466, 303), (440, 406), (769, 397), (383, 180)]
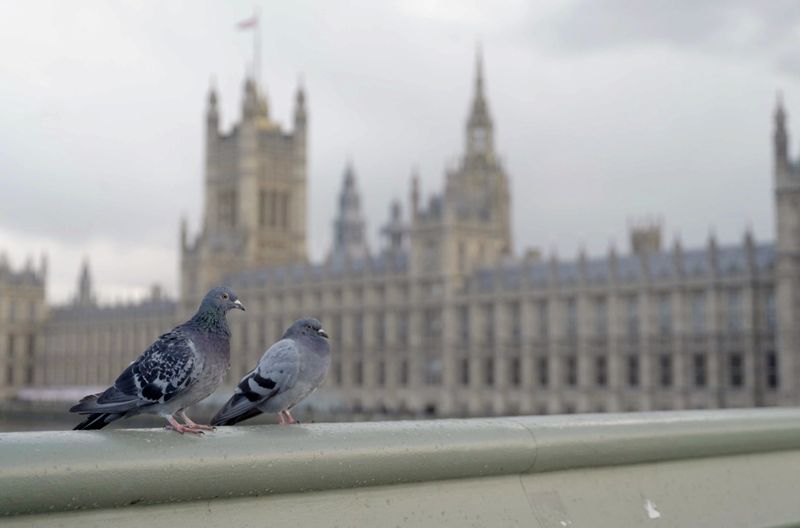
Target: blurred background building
[(444, 319), (22, 313)]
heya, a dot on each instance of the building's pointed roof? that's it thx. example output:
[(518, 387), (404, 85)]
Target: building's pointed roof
[(479, 115), (300, 94), (85, 290), (349, 236), (300, 113), (212, 92), (780, 111)]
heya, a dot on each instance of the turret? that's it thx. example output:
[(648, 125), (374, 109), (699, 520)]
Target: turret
[(750, 249), (184, 233), (394, 231), (300, 123), (583, 265), (250, 101), (645, 235), (85, 295), (212, 129), (255, 195), (414, 194), (349, 236), (787, 266), (781, 137), (613, 262), (677, 256), (480, 130), (713, 253), (300, 113), (212, 113)]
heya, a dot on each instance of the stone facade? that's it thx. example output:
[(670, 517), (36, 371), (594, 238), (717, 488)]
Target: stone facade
[(443, 319), (22, 313), (87, 344)]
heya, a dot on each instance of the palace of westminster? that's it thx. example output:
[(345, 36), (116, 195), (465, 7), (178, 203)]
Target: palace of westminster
[(445, 319)]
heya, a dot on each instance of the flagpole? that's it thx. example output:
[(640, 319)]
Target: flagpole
[(254, 23), (257, 48)]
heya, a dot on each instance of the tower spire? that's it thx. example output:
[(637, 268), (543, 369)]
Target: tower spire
[(480, 136), (414, 193), (349, 228), (300, 113), (212, 112), (479, 72), (781, 137), (85, 295)]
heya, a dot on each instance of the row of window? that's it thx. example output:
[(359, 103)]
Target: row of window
[(699, 371), (356, 295), (131, 339), (381, 378), (432, 325), (334, 325), (698, 310), (273, 208), (597, 311)]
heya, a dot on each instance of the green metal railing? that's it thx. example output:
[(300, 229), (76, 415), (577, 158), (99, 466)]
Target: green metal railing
[(697, 468)]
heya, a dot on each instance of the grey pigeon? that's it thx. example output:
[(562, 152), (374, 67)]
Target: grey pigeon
[(289, 370), (181, 368)]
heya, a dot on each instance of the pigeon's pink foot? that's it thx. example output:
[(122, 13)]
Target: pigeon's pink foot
[(287, 418), (180, 428), (184, 429), (196, 426), (202, 427)]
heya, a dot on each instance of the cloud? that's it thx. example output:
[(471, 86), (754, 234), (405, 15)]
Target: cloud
[(116, 266), (767, 30), (603, 110)]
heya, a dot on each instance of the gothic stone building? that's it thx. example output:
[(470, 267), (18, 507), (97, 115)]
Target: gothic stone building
[(444, 319)]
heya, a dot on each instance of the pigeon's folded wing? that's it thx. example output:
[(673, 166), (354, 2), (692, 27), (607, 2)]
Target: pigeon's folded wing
[(275, 373), (164, 370)]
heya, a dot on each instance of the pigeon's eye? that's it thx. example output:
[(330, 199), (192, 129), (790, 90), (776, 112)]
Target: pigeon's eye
[(224, 295)]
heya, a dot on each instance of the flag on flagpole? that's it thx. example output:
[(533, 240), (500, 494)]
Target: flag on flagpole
[(249, 23), (252, 23)]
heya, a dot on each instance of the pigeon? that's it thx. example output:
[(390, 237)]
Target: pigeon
[(181, 368), (289, 370)]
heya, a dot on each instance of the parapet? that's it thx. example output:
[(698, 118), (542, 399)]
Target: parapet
[(693, 468)]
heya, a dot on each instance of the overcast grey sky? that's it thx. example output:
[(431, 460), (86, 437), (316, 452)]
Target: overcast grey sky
[(604, 110)]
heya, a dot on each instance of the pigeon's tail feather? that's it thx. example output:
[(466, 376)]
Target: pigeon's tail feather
[(98, 420), (233, 420), (86, 403), (100, 415), (94, 403)]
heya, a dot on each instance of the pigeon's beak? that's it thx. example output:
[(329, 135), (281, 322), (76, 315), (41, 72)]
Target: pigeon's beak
[(238, 304), (321, 332)]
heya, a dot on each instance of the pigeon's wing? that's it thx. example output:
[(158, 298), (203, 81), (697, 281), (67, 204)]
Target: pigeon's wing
[(275, 373), (169, 366)]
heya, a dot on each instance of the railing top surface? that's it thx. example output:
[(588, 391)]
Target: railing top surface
[(66, 470)]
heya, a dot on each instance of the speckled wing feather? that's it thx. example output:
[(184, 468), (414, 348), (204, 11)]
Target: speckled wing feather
[(168, 367), (275, 373)]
